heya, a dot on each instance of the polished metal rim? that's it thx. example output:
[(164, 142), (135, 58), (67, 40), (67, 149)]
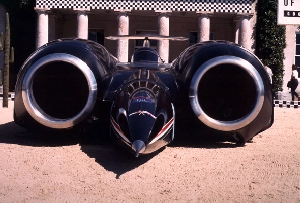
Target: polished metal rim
[(226, 125), (34, 109)]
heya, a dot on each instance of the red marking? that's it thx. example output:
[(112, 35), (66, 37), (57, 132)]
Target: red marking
[(165, 127), (116, 125)]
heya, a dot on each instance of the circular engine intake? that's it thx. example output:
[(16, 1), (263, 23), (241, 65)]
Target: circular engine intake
[(59, 90), (226, 93)]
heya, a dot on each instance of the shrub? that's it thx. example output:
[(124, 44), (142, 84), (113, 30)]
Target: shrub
[(270, 40)]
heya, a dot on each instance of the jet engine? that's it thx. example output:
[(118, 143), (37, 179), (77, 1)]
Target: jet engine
[(61, 85), (69, 84), (226, 87)]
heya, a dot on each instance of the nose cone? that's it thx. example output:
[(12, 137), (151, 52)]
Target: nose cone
[(138, 146)]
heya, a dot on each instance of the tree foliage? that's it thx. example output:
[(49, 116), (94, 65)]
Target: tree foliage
[(270, 40), (17, 4)]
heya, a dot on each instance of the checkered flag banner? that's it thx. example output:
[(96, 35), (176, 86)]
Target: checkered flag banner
[(225, 6)]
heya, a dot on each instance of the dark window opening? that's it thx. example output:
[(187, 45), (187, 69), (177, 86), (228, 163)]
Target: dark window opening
[(96, 35), (194, 37)]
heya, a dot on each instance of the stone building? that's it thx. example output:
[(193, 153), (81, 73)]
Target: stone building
[(198, 20), (292, 55)]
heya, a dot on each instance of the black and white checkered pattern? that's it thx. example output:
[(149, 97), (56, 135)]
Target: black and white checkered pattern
[(227, 6), (11, 96), (277, 103), (287, 104)]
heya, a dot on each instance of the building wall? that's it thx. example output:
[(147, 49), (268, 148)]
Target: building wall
[(223, 27), (253, 25), (289, 54), (2, 18), (143, 15)]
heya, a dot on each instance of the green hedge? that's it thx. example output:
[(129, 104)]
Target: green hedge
[(270, 40)]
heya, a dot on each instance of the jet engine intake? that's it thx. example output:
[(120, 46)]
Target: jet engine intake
[(62, 84), (227, 88), (226, 93), (59, 90)]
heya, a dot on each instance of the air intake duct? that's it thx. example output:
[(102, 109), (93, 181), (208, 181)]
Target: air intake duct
[(61, 84), (228, 88)]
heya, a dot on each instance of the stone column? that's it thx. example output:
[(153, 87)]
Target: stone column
[(42, 27), (82, 23), (245, 30), (203, 26), (237, 30), (123, 29), (163, 29)]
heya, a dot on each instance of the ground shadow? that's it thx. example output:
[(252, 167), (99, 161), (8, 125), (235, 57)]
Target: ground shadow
[(12, 133), (199, 136), (106, 153), (206, 140), (115, 159), (109, 155)]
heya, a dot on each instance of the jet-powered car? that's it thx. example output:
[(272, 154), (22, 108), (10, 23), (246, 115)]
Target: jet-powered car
[(65, 86)]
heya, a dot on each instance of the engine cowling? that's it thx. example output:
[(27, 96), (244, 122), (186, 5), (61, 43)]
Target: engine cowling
[(59, 85), (227, 86)]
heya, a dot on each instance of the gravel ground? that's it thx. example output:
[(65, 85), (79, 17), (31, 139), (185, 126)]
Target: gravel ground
[(267, 170)]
